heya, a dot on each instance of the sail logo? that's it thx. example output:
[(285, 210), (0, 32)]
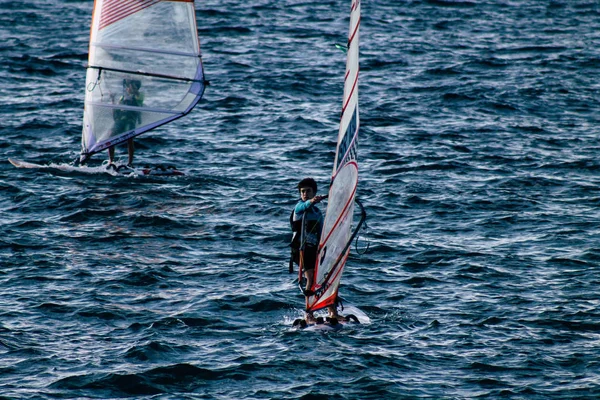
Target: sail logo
[(347, 147), (324, 251)]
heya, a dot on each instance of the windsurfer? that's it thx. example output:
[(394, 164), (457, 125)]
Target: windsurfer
[(126, 120), (307, 243)]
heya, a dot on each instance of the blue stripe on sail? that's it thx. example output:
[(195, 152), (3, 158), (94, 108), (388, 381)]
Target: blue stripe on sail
[(347, 148)]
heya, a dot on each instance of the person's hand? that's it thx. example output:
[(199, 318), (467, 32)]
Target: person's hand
[(317, 199)]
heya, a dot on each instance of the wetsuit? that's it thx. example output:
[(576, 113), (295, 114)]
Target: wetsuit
[(126, 120), (313, 224)]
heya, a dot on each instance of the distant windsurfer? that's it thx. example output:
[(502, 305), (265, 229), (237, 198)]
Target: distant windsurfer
[(126, 120), (305, 245)]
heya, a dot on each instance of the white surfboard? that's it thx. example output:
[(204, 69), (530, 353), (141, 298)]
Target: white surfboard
[(158, 170)]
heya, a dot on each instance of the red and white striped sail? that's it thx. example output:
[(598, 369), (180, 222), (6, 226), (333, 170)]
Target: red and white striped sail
[(337, 227), (153, 42)]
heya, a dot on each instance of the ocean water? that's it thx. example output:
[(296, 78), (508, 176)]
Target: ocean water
[(479, 169)]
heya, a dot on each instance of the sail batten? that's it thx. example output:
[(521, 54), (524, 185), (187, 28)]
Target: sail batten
[(144, 69), (142, 73)]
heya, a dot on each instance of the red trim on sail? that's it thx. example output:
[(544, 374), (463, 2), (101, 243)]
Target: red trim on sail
[(351, 37), (351, 91), (116, 10), (322, 303)]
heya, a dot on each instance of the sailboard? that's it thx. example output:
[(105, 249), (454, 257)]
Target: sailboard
[(157, 170), (337, 234), (144, 69)]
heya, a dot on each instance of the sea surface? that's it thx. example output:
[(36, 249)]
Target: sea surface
[(479, 159)]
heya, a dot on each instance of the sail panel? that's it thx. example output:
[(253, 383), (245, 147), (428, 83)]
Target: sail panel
[(337, 227), (181, 66), (144, 69), (154, 24)]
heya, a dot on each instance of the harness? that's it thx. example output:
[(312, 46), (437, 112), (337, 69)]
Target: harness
[(306, 233)]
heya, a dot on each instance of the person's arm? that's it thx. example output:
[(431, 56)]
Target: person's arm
[(302, 206)]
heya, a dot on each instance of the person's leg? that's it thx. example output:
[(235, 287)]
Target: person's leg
[(130, 151), (332, 310), (309, 260), (309, 275)]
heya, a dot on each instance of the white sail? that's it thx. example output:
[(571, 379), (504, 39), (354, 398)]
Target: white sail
[(150, 45), (337, 227)]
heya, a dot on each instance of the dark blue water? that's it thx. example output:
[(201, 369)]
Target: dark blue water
[(479, 169)]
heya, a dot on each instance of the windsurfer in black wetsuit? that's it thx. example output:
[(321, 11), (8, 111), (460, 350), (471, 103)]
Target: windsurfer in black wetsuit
[(309, 240), (307, 210), (126, 120)]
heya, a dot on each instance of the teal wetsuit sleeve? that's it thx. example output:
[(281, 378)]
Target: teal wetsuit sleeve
[(312, 213), (302, 206)]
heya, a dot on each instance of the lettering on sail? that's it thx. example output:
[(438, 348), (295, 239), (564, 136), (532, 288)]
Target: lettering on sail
[(347, 149)]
